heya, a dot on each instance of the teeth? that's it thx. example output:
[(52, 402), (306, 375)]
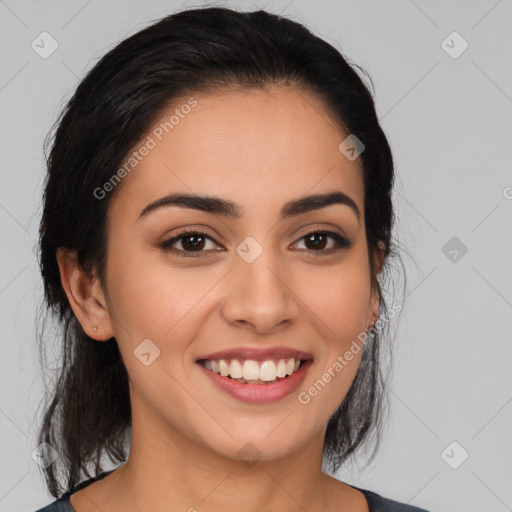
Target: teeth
[(267, 371), (253, 371), (235, 369), (281, 368), (223, 368)]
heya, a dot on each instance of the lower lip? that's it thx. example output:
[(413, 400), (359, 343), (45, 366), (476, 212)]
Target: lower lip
[(259, 393)]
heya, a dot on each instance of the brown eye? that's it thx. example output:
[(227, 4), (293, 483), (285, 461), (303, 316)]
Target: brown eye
[(316, 241), (193, 242), (190, 241)]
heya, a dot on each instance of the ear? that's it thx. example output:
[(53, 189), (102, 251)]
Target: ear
[(85, 295), (373, 310)]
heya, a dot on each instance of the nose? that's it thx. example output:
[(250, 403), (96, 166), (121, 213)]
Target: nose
[(260, 295)]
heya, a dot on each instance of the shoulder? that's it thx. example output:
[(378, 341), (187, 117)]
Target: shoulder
[(60, 505), (63, 504), (378, 503)]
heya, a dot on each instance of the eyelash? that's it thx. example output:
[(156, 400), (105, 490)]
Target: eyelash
[(343, 243)]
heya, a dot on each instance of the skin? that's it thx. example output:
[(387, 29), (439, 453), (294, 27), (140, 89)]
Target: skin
[(259, 149)]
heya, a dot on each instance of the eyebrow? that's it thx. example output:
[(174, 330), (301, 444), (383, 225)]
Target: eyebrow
[(215, 205)]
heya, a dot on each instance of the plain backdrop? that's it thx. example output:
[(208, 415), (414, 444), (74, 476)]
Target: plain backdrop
[(442, 72)]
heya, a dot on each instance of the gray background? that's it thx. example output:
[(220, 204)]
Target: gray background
[(450, 127)]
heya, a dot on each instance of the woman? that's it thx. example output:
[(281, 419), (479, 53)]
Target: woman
[(217, 221)]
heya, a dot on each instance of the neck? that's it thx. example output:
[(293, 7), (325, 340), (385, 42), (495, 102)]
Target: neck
[(168, 471)]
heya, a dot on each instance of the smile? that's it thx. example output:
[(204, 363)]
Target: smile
[(250, 371), (255, 389)]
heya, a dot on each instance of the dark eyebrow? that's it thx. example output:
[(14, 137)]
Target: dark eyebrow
[(227, 208)]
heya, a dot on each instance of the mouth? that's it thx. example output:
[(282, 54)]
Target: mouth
[(256, 381), (251, 371)]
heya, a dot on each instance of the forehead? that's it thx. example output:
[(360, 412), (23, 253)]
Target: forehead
[(247, 146)]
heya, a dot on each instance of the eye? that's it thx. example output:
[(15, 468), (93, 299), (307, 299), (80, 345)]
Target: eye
[(195, 241), (317, 239), (191, 242)]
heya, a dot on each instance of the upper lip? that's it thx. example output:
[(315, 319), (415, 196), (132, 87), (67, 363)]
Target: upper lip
[(257, 354)]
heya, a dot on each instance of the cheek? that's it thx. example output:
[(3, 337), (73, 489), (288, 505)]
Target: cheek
[(148, 295), (339, 296), (339, 301)]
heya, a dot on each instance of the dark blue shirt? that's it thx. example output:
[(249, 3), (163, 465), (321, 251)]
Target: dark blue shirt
[(376, 503)]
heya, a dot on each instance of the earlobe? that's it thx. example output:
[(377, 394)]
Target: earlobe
[(85, 295), (373, 312)]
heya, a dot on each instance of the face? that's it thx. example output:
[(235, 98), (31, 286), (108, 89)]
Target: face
[(252, 281)]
